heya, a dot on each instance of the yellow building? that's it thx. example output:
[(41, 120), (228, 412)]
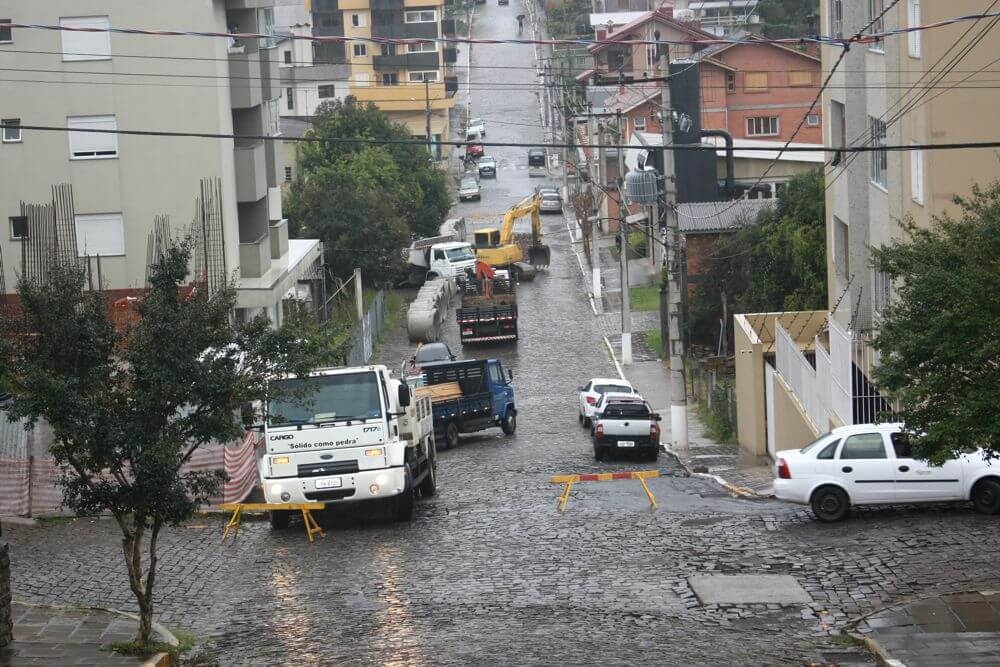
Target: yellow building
[(407, 82)]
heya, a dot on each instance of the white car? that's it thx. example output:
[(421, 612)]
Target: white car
[(475, 126), (871, 464), (592, 391)]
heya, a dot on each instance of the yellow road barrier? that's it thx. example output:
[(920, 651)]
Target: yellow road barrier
[(312, 528), (569, 480)]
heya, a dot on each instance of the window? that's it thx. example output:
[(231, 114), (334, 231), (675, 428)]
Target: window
[(422, 47), (431, 76), (882, 287), (362, 79), (86, 45), (6, 35), (864, 446), (390, 79), (288, 174), (18, 227), (762, 126), (731, 82), (800, 78), (841, 248), (360, 50), (289, 99), (639, 123), (496, 376), (828, 451), (755, 82), (101, 234), (901, 445), (359, 20), (879, 157), (917, 176), (330, 21), (913, 38), (92, 145), (11, 130), (388, 49), (838, 125), (875, 9), (288, 57), (422, 16), (812, 120), (327, 91), (837, 18)]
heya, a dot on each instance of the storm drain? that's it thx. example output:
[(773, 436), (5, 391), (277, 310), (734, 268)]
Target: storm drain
[(748, 589)]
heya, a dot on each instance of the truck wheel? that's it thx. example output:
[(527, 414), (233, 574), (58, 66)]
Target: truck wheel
[(405, 500), (986, 496), (509, 423), (428, 487), (451, 434), (830, 504), (279, 519)]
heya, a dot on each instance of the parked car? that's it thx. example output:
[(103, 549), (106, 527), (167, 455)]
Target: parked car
[(591, 392), (468, 189), (503, 3), (429, 352), (550, 203), (548, 189), (536, 157), (474, 150), (871, 464), (475, 126), (626, 424), (488, 166)]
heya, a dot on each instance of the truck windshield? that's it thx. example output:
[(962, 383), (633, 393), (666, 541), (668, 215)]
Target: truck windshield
[(460, 254), (325, 398)]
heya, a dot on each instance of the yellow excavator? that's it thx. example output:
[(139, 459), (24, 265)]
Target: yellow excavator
[(499, 248)]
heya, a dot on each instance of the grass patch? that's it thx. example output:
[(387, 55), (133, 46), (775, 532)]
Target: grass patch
[(655, 341), (717, 424), (645, 298), (186, 642)]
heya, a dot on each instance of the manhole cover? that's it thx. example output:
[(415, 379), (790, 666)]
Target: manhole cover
[(748, 589)]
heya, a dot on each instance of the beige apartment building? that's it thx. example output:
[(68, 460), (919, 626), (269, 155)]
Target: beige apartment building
[(798, 374), (120, 183), (406, 82)]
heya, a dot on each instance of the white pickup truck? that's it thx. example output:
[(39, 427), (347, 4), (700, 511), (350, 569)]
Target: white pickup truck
[(346, 435), (625, 423)]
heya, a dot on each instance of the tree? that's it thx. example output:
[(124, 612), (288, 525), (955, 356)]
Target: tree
[(940, 337), (128, 408), (777, 262), (788, 18), (417, 189)]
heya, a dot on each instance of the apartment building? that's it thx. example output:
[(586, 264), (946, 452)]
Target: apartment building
[(306, 80), (120, 183), (798, 374), (404, 81)]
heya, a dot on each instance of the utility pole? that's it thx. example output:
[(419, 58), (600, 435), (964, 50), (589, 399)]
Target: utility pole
[(675, 345), (595, 228), (359, 295), (427, 112), (623, 253)]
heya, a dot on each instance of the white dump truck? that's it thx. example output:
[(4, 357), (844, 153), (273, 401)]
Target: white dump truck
[(446, 255), (346, 435)]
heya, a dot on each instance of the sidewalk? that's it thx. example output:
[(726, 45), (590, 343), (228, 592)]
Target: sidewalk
[(67, 636), (960, 629)]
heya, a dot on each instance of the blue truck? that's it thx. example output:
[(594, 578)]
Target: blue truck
[(468, 396)]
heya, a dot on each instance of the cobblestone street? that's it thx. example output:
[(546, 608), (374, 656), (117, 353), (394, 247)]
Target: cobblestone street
[(489, 572)]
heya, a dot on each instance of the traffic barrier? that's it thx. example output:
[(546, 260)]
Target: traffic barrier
[(569, 480), (312, 528)]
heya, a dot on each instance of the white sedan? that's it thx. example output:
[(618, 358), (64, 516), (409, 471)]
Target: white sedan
[(590, 392), (871, 464)]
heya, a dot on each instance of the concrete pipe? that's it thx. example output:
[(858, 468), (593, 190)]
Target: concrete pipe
[(423, 324)]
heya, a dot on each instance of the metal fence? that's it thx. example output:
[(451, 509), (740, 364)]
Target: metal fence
[(367, 332), (713, 387), (800, 375)]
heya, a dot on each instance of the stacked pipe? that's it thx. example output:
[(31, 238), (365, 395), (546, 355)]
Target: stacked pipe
[(429, 310)]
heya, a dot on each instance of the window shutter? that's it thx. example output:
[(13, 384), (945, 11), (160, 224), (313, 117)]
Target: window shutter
[(799, 78), (101, 234), (755, 80), (86, 45), (92, 144)]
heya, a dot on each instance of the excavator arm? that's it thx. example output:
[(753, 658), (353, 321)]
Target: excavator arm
[(538, 252)]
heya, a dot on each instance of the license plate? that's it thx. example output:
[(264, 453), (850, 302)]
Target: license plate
[(329, 483), (626, 443)]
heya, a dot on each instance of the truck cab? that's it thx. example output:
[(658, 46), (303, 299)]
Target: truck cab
[(449, 260), (346, 435)]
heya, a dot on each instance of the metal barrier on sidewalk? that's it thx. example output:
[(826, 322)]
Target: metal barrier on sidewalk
[(312, 528), (569, 480)]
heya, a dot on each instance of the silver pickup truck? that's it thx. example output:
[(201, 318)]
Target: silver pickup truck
[(626, 424)]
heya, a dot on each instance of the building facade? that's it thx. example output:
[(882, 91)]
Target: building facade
[(121, 183), (306, 81), (798, 374), (407, 82)]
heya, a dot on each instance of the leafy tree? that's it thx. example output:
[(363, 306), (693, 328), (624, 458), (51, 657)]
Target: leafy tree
[(128, 408), (787, 18), (940, 337), (416, 189), (777, 262)]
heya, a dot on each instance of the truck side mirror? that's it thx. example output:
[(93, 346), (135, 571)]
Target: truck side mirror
[(657, 417), (404, 395), (510, 375), (247, 415)]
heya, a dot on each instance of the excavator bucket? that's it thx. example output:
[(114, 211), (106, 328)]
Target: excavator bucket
[(539, 256)]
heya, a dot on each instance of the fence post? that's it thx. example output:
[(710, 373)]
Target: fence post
[(359, 294)]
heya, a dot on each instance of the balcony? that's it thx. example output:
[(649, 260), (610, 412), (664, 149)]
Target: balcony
[(450, 55), (270, 76), (255, 257), (386, 5), (251, 171), (244, 80), (279, 239), (408, 30), (413, 61), (404, 97)]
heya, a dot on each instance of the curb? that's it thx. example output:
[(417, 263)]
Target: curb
[(19, 520)]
